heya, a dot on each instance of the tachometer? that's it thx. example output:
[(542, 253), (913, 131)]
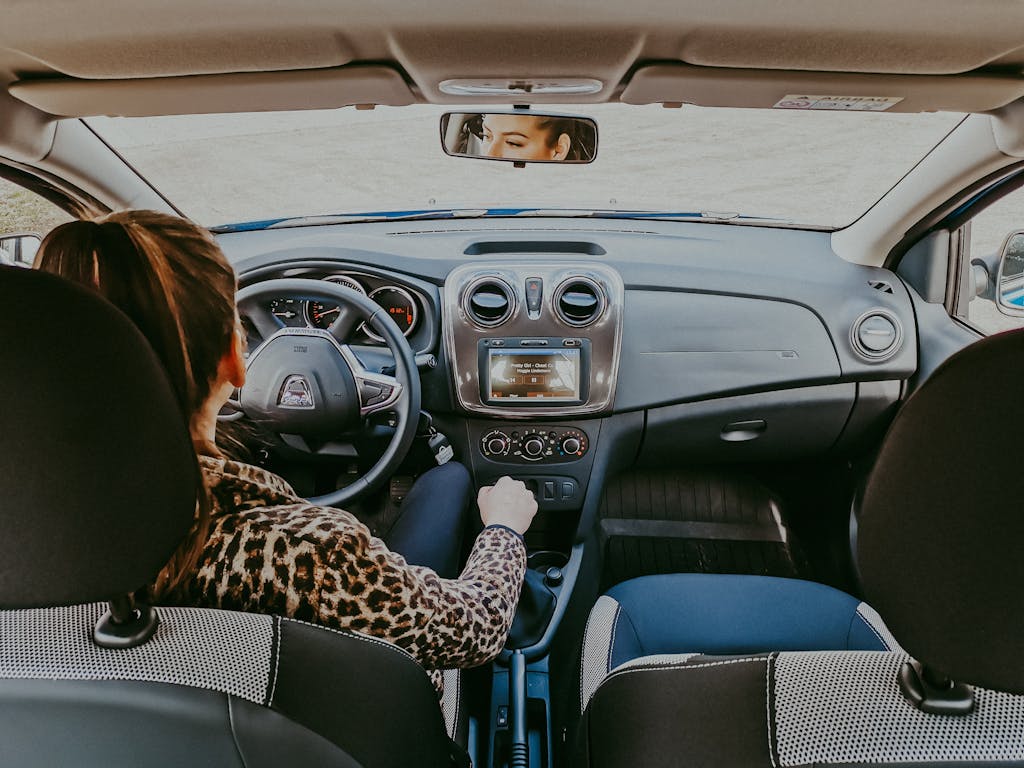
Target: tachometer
[(320, 314), (399, 304)]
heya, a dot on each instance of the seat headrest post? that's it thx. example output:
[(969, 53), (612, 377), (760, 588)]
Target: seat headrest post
[(934, 693), (125, 624)]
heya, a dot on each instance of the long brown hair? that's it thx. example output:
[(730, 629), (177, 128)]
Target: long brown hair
[(171, 278)]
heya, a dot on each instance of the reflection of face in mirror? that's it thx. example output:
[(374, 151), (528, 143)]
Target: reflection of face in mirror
[(526, 137)]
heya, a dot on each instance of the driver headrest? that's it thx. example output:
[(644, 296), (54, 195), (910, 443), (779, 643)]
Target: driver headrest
[(98, 477), (942, 523)]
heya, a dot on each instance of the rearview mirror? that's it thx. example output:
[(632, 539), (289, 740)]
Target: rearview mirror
[(519, 136), (1010, 279), (19, 250)]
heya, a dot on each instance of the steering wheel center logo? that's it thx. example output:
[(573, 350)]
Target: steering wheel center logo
[(295, 393)]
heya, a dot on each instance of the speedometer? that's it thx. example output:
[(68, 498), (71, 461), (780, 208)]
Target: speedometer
[(321, 314), (400, 306)]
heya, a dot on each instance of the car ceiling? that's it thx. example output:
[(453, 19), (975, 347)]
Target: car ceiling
[(68, 57)]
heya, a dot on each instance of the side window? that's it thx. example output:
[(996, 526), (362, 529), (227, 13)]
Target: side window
[(986, 237), (24, 218)]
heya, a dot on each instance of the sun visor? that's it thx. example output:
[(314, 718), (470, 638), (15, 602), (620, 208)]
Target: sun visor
[(837, 91), (207, 94)]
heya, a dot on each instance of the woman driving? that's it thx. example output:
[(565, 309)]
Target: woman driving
[(255, 544)]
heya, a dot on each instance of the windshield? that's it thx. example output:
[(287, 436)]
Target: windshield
[(814, 168)]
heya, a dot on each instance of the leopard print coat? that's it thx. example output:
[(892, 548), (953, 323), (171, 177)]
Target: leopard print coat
[(270, 551)]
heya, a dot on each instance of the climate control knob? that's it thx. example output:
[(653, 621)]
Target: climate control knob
[(571, 445), (496, 444), (533, 447)]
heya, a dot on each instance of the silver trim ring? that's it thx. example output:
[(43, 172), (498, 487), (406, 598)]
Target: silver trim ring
[(599, 292), (510, 294), (412, 303), (345, 280), (871, 355)]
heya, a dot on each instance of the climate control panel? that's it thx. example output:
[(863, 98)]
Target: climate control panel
[(534, 444)]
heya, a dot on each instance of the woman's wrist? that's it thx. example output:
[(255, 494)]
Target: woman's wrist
[(502, 526)]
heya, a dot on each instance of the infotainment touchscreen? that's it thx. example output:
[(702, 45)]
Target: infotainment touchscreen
[(535, 374)]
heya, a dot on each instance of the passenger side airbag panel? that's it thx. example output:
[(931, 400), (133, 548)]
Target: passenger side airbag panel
[(680, 346)]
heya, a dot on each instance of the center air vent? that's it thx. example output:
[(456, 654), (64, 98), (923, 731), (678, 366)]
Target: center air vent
[(579, 301), (489, 302)]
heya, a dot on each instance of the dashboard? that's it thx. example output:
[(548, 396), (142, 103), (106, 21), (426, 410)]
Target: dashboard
[(559, 342)]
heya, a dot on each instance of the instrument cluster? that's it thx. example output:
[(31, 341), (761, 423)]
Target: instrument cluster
[(400, 304)]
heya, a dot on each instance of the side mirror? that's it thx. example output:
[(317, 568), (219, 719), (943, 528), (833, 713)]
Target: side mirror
[(519, 136), (1010, 276), (19, 250)]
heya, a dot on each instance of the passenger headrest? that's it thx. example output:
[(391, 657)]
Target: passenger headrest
[(941, 536), (98, 476)]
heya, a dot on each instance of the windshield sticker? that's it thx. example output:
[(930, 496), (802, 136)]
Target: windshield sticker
[(838, 103)]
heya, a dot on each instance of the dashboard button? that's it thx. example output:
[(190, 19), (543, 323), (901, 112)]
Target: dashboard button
[(571, 445), (534, 294), (533, 343), (533, 446), (572, 342)]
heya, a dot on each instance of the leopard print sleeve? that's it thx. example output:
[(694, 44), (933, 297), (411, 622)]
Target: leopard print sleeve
[(271, 552), (443, 623)]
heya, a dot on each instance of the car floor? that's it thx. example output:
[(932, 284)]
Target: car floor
[(695, 521)]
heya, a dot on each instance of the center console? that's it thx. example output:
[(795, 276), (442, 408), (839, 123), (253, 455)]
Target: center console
[(535, 338), (534, 352)]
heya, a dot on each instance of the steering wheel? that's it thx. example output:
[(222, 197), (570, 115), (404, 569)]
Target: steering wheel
[(309, 382)]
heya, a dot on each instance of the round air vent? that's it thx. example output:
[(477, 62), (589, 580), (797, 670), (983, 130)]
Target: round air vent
[(877, 335), (579, 301), (489, 301)]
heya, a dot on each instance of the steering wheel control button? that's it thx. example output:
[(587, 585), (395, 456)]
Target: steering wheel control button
[(382, 394), (368, 391)]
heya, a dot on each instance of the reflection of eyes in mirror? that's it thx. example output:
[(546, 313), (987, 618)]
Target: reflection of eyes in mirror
[(521, 137), (525, 137)]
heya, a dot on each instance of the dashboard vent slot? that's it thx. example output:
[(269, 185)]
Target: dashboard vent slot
[(579, 301), (880, 285), (489, 302), (534, 246)]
